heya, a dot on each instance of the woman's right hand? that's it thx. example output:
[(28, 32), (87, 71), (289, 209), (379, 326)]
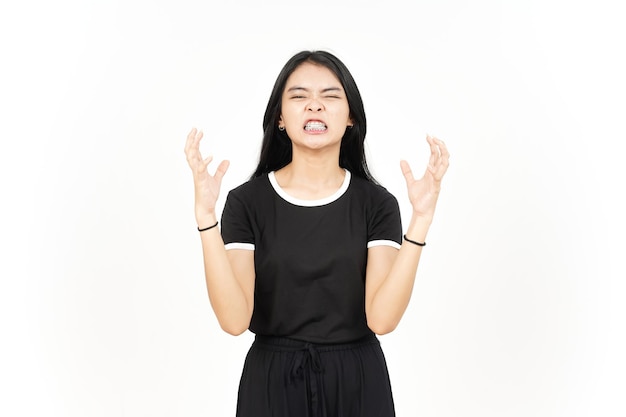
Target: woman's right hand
[(207, 186)]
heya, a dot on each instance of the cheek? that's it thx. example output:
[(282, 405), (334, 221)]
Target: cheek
[(342, 112), (288, 114), (342, 116)]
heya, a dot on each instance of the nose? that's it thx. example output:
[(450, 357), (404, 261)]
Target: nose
[(314, 105)]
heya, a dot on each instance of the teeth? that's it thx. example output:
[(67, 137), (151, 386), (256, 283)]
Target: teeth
[(317, 126)]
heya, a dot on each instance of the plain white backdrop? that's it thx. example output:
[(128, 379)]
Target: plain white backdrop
[(518, 305)]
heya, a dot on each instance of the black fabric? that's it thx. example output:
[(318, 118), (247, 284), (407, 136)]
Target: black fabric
[(289, 378), (310, 260)]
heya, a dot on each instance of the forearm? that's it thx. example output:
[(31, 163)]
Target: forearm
[(226, 294), (393, 286), (392, 297)]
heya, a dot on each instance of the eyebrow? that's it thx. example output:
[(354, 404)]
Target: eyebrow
[(325, 90)]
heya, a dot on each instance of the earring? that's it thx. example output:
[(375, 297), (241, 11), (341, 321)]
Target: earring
[(281, 128), (350, 126)]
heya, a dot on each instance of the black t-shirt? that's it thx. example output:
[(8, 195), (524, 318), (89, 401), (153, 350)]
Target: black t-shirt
[(310, 255)]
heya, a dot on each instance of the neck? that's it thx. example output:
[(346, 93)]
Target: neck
[(314, 167), (311, 176)]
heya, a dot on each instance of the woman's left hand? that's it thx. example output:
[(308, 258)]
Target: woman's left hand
[(423, 193)]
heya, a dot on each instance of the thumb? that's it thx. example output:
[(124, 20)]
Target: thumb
[(221, 170), (406, 171)]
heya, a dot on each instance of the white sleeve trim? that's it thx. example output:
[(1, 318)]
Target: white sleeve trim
[(237, 245), (391, 243)]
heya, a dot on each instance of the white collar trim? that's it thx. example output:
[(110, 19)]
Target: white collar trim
[(310, 203)]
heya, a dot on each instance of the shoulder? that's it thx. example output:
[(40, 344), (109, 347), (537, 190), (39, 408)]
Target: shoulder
[(370, 191), (248, 196), (250, 189)]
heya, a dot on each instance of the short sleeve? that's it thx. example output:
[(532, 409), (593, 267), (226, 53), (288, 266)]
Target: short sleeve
[(385, 226), (236, 228)]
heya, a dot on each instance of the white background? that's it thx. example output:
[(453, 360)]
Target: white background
[(518, 306)]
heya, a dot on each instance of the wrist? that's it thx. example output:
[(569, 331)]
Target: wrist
[(418, 228), (420, 220), (204, 229), (205, 219), (421, 217)]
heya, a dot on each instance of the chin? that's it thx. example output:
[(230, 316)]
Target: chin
[(318, 142), (318, 145)]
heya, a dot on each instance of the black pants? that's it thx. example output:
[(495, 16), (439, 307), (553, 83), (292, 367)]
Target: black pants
[(289, 378)]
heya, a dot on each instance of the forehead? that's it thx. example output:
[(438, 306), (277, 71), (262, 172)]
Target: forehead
[(310, 75)]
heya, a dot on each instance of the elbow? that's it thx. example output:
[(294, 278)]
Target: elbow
[(231, 320), (234, 327), (233, 330), (382, 327)]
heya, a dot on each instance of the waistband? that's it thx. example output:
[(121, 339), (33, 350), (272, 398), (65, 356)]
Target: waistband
[(306, 366), (286, 344)]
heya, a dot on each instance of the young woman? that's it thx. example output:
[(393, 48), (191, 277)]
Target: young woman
[(311, 256)]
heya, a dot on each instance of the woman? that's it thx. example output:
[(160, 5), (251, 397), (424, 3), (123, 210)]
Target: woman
[(311, 256)]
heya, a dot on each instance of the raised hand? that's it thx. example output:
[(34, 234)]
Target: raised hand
[(207, 186), (423, 193)]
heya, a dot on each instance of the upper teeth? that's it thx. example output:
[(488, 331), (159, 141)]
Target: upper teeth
[(315, 126)]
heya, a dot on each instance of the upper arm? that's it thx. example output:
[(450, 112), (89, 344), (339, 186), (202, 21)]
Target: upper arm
[(242, 264), (237, 234), (379, 262)]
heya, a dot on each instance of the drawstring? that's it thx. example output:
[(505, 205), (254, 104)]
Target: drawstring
[(308, 355), (307, 363), (301, 371)]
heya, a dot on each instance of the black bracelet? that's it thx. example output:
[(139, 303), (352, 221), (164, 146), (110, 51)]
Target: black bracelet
[(414, 242), (207, 228)]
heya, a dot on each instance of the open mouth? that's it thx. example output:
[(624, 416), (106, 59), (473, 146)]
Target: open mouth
[(315, 126)]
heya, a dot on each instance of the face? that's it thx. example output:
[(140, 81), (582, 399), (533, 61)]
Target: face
[(315, 111)]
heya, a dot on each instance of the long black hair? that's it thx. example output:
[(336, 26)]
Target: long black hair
[(276, 151)]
